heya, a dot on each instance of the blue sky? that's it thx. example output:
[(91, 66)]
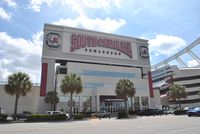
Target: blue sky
[(168, 25)]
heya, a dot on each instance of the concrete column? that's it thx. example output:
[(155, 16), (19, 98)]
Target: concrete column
[(94, 103), (50, 76), (47, 83), (81, 103), (98, 102)]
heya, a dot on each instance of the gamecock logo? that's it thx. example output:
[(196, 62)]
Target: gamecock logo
[(143, 51), (53, 40)]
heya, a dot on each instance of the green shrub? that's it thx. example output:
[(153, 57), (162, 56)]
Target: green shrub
[(122, 114), (44, 117), (78, 116), (180, 112), (131, 112), (3, 117)]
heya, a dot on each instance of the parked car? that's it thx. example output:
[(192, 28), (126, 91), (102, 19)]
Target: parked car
[(22, 115), (101, 114), (158, 111), (169, 111), (188, 108), (149, 112), (57, 112), (194, 112)]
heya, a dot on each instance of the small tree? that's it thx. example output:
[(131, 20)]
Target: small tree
[(19, 84), (123, 90), (176, 92), (131, 93), (71, 84), (52, 98)]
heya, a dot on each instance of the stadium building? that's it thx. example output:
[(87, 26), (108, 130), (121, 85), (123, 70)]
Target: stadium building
[(101, 60)]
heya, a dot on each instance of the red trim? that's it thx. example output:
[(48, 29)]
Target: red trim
[(150, 84), (43, 85)]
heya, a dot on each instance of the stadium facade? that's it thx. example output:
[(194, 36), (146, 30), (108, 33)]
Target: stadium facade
[(101, 60)]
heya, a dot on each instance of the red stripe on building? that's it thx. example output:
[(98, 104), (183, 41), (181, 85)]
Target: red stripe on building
[(150, 84), (43, 85)]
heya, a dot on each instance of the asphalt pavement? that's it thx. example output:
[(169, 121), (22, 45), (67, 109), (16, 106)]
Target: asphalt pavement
[(138, 125)]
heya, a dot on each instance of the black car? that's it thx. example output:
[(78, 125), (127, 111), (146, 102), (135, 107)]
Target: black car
[(23, 115), (194, 112), (149, 112)]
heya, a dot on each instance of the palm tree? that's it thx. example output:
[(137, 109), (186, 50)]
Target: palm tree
[(51, 98), (123, 90), (71, 84), (176, 92), (131, 93), (19, 84)]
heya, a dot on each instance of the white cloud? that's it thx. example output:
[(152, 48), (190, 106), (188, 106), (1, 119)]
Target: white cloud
[(11, 3), (19, 54), (106, 25), (166, 44), (192, 63), (4, 14), (35, 5), (81, 5), (77, 5)]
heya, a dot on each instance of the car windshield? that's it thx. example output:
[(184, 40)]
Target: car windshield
[(197, 108)]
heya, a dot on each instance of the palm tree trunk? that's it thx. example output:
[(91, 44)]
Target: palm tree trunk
[(54, 107), (132, 103), (125, 104), (51, 106), (179, 102), (71, 104), (16, 104)]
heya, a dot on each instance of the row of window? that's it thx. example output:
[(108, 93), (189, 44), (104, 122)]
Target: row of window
[(108, 74), (102, 51)]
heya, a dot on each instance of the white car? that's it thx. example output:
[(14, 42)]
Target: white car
[(57, 112)]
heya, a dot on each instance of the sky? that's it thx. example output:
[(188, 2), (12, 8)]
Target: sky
[(169, 25)]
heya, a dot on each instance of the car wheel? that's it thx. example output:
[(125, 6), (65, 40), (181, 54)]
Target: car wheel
[(189, 115)]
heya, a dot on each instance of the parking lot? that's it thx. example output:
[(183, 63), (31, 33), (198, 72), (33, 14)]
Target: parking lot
[(139, 125)]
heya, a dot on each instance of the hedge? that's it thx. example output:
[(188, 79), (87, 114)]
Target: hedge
[(44, 117), (3, 117), (78, 116), (131, 112), (122, 114)]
